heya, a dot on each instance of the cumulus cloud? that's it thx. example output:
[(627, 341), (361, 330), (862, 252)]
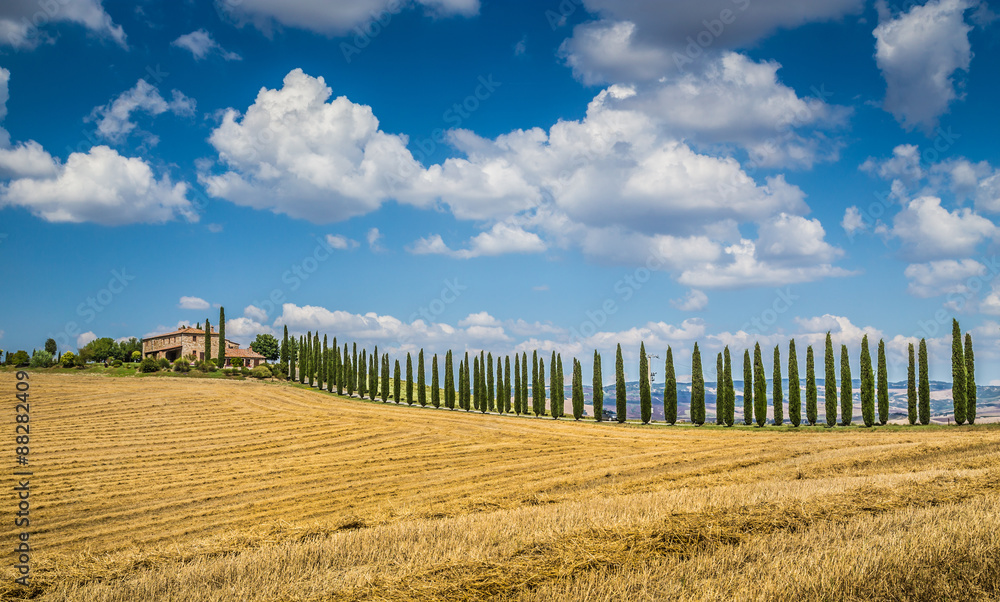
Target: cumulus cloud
[(852, 221), (374, 238), (945, 277), (919, 52), (929, 231), (114, 120), (744, 264), (193, 303), (334, 18), (694, 300), (338, 241), (200, 44), (24, 24), (501, 239), (83, 339), (254, 313)]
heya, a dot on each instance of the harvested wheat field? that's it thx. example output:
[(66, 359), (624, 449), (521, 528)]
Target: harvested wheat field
[(193, 489)]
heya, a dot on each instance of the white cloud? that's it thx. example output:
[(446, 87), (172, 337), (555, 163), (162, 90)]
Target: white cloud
[(83, 339), (694, 300), (334, 18), (99, 186), (852, 221), (479, 319), (193, 303), (374, 238), (295, 153), (338, 241), (794, 240), (929, 231), (200, 44), (245, 330), (945, 277), (254, 313), (18, 20), (501, 239), (744, 266), (114, 120), (919, 52), (639, 39)]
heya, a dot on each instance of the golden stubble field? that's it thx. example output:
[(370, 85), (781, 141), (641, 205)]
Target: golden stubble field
[(189, 489)]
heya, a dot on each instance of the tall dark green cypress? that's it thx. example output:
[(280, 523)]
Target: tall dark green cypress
[(535, 409), (553, 393), (449, 381), (422, 380), (490, 399), (971, 394), (308, 363), (304, 355), (747, 389), (958, 372), (812, 412), (524, 383), (759, 388), (476, 392), (830, 384), (794, 389), (846, 388), (207, 355), (645, 397), (577, 390), (561, 388), (221, 358), (506, 383), (597, 393), (348, 369), (323, 372), (541, 386), (867, 385), (335, 371), (720, 389), (409, 380), (435, 384), (621, 406), (355, 383), (397, 383), (293, 358), (911, 388), (362, 374), (883, 385), (385, 383), (727, 368), (697, 388), (779, 414), (670, 390), (517, 385), (466, 387), (283, 357)]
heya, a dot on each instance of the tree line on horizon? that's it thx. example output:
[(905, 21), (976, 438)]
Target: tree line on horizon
[(488, 384)]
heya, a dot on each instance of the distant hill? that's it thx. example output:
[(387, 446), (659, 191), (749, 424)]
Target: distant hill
[(987, 406)]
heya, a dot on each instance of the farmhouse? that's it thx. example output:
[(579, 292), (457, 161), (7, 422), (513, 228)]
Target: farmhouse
[(191, 341)]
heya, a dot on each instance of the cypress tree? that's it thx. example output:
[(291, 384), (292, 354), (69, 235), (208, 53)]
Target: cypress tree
[(911, 388), (409, 380), (534, 383), (971, 394), (812, 412), (759, 388), (621, 407), (729, 416), (208, 346), (506, 383), (597, 394), (669, 390), (476, 393), (379, 376), (720, 389), (846, 388), (435, 390), (317, 358), (958, 372), (460, 402), (374, 374), (293, 358), (830, 384), (490, 400), (517, 384), (794, 390), (355, 384), (883, 385), (309, 360), (577, 390), (697, 388), (348, 370), (221, 359), (323, 372), (524, 383), (562, 387), (466, 386), (421, 381), (449, 381), (779, 414), (867, 385), (362, 376), (747, 389), (645, 398), (541, 387), (556, 408), (335, 383), (304, 355), (397, 383)]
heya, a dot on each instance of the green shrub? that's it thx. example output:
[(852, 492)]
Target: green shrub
[(19, 359), (182, 365), (245, 371), (68, 359), (164, 363), (237, 362), (149, 365), (41, 359), (261, 371), (116, 364), (136, 356), (228, 371)]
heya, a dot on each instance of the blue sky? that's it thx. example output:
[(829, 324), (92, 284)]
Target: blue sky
[(470, 174)]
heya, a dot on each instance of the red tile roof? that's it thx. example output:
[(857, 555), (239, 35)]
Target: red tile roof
[(188, 330), (247, 353)]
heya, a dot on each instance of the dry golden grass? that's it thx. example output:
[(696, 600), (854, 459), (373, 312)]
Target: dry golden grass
[(183, 489)]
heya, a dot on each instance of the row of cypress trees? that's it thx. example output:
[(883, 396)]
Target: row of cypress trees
[(488, 385)]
